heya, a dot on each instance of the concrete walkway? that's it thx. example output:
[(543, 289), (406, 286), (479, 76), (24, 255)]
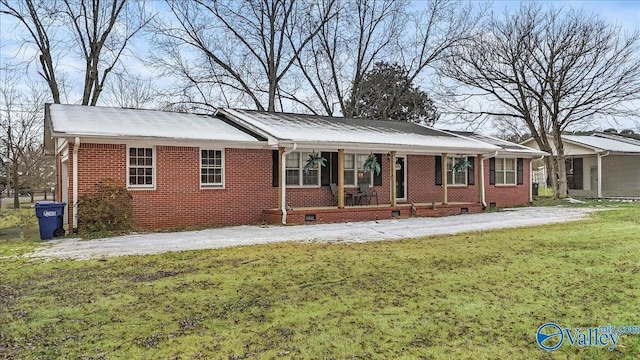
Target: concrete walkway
[(154, 243)]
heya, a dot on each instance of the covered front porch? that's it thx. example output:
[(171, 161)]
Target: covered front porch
[(332, 214)]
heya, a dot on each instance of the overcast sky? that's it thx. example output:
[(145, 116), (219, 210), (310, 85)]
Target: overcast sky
[(624, 13)]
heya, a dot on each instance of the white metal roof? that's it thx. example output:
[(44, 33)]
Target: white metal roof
[(603, 144), (319, 131), (107, 122), (506, 147)]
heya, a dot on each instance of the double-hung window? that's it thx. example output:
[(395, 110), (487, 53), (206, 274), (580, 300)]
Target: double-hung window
[(353, 173), (456, 177), (295, 175), (211, 168), (505, 171), (141, 167)]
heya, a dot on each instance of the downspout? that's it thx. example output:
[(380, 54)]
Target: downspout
[(76, 145), (600, 156), (531, 177), (484, 201), (283, 180)]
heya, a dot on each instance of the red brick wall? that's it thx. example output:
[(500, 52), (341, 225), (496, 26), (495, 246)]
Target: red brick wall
[(178, 200), (508, 195)]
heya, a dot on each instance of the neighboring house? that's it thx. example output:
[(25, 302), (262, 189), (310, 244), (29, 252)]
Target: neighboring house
[(246, 167), (601, 164)]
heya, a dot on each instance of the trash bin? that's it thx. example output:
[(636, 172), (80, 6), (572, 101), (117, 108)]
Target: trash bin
[(50, 215), (534, 189)]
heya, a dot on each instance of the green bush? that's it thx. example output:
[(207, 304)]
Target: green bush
[(106, 209)]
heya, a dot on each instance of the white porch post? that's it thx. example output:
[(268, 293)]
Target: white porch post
[(599, 175)]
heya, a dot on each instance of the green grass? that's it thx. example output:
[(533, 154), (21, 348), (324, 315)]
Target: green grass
[(19, 232), (475, 295)]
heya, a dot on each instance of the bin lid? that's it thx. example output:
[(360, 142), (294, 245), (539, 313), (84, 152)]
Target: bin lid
[(41, 204)]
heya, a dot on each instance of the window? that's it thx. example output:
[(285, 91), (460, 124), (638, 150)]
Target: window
[(141, 167), (353, 174), (506, 171), (211, 168), (295, 176), (460, 177)]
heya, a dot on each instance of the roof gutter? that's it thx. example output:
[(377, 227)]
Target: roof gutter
[(283, 182), (482, 192)]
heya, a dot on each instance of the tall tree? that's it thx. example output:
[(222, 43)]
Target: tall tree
[(97, 31), (551, 69), (386, 93), (415, 35), (21, 126), (246, 48)]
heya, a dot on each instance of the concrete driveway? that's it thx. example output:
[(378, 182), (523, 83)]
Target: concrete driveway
[(154, 243)]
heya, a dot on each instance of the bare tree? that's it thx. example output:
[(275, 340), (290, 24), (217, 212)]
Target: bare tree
[(369, 31), (334, 63), (21, 124), (130, 91), (550, 69), (243, 48), (99, 31)]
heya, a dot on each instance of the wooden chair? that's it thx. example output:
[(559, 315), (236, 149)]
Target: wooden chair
[(367, 193)]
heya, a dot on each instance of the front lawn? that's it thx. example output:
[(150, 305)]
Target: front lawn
[(476, 295)]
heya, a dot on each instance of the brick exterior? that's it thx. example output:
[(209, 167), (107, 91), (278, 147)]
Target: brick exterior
[(178, 201)]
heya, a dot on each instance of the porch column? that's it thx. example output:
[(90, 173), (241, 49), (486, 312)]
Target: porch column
[(340, 178), (479, 177), (599, 175), (444, 179), (281, 181), (393, 188)]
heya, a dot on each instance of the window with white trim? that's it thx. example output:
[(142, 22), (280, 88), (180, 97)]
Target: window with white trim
[(460, 177), (295, 175), (211, 168), (353, 173), (141, 167), (505, 171)]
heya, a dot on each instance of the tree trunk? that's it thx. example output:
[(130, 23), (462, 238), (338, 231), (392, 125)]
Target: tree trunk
[(16, 190), (562, 176), (552, 169)]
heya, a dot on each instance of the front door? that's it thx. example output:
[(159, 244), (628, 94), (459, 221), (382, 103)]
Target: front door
[(401, 174)]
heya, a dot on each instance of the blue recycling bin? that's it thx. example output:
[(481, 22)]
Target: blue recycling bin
[(50, 215)]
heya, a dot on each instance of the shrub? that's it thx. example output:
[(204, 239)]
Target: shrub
[(106, 209)]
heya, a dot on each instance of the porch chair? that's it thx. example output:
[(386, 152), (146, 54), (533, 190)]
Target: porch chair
[(367, 193)]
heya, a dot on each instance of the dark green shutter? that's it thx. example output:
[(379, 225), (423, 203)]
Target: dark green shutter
[(471, 174), (520, 172), (275, 161), (492, 171), (438, 170), (377, 178), (325, 171), (334, 167)]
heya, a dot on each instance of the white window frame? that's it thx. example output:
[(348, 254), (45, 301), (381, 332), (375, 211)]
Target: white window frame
[(451, 174), (356, 169), (504, 172), (154, 160), (222, 167), (302, 160)]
